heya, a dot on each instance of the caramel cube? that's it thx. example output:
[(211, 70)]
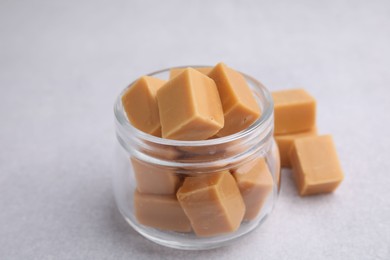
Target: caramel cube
[(255, 183), (239, 105), (294, 110), (212, 202), (190, 108), (140, 104), (154, 179), (176, 71), (286, 141), (316, 167), (160, 211)]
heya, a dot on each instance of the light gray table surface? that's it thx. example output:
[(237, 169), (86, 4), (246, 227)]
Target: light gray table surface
[(62, 64)]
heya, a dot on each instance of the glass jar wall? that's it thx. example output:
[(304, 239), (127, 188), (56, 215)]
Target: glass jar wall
[(197, 194)]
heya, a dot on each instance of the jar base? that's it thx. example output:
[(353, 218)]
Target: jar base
[(190, 241)]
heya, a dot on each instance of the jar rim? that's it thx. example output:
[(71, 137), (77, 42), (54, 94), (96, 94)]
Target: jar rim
[(121, 118)]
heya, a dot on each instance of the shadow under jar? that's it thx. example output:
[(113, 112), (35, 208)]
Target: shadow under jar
[(197, 194)]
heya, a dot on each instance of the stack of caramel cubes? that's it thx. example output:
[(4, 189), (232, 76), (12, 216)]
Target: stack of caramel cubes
[(313, 157)]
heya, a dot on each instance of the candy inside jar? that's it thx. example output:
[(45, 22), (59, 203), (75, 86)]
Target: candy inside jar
[(198, 194)]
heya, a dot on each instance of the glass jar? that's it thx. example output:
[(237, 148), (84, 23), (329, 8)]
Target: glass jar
[(197, 194)]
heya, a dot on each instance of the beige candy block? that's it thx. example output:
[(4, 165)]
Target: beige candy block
[(294, 111), (189, 106), (153, 179), (255, 183), (140, 104), (213, 203), (176, 71), (286, 141), (160, 211), (239, 105), (316, 167)]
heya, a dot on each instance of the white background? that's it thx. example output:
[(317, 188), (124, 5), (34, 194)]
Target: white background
[(62, 64)]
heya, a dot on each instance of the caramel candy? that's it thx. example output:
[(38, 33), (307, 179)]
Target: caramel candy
[(294, 110), (315, 164), (153, 179), (190, 108), (239, 105), (285, 142), (212, 202), (255, 183), (160, 211), (176, 71), (140, 104)]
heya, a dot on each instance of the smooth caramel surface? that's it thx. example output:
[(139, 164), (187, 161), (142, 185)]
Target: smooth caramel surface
[(152, 179), (239, 105), (255, 183), (140, 104), (189, 106), (212, 202), (160, 211), (316, 167), (286, 141), (294, 111), (176, 71)]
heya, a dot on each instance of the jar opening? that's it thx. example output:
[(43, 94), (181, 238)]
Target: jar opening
[(262, 96)]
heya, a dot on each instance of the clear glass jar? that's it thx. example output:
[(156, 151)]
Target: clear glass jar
[(190, 194)]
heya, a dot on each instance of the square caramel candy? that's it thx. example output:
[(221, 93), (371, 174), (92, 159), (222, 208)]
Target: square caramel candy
[(140, 104), (212, 202), (294, 111), (255, 183), (160, 211), (176, 71), (239, 105), (316, 167), (286, 141), (189, 106), (154, 179)]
